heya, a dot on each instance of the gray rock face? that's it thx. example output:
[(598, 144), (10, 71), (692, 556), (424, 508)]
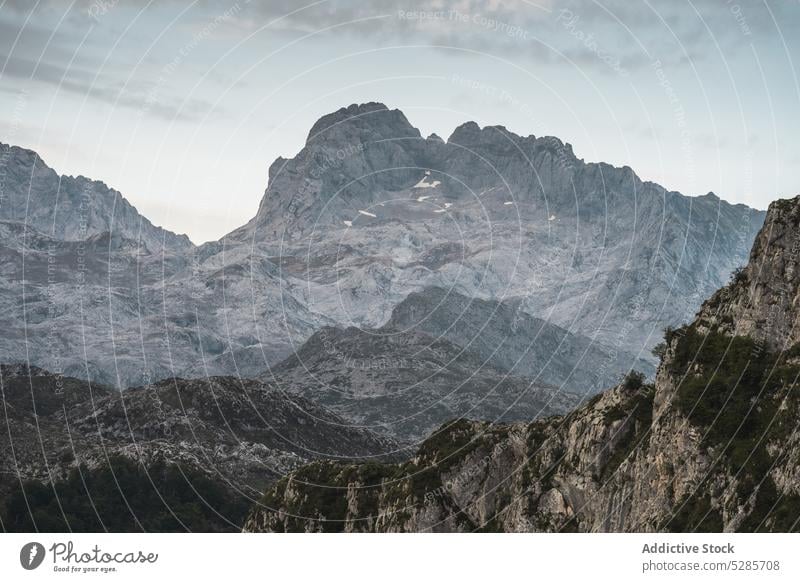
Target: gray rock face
[(369, 211), (504, 335), (103, 309), (350, 157), (710, 446), (366, 214), (73, 208), (762, 300), (242, 433)]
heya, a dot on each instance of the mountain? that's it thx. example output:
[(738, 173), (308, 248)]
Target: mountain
[(241, 433), (404, 384), (73, 208), (504, 335), (711, 445), (369, 211), (366, 214), (109, 310)]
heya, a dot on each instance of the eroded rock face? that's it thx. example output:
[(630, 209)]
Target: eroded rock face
[(763, 300), (711, 445), (74, 208), (369, 212)]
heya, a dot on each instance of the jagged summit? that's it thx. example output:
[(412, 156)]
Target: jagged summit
[(367, 154), (465, 132), (73, 208), (372, 119)]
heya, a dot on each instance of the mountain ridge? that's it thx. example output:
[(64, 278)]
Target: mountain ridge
[(46, 192), (399, 214), (505, 335), (242, 431)]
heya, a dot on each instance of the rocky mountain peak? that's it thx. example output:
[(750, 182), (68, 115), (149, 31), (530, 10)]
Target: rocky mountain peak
[(762, 299), (471, 135), (363, 156), (366, 121), (466, 132), (73, 208)]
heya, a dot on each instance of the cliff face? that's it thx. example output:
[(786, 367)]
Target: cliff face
[(763, 300), (711, 445)]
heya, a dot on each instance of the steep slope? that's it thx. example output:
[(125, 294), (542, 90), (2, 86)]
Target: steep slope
[(92, 289), (73, 208), (505, 336), (240, 433), (404, 384), (710, 446), (351, 156)]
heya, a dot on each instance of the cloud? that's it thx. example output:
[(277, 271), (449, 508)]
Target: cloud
[(61, 58), (147, 99), (632, 32)]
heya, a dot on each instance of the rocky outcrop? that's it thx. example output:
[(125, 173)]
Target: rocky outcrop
[(711, 445), (763, 299)]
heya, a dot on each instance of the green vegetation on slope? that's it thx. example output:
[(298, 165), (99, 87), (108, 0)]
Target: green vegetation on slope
[(741, 397)]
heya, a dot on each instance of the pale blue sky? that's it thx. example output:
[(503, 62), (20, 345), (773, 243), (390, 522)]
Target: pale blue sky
[(182, 106)]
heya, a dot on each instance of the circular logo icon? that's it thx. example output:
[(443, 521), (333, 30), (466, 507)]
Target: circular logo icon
[(31, 555)]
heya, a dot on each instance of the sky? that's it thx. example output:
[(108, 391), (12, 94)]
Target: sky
[(182, 106)]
